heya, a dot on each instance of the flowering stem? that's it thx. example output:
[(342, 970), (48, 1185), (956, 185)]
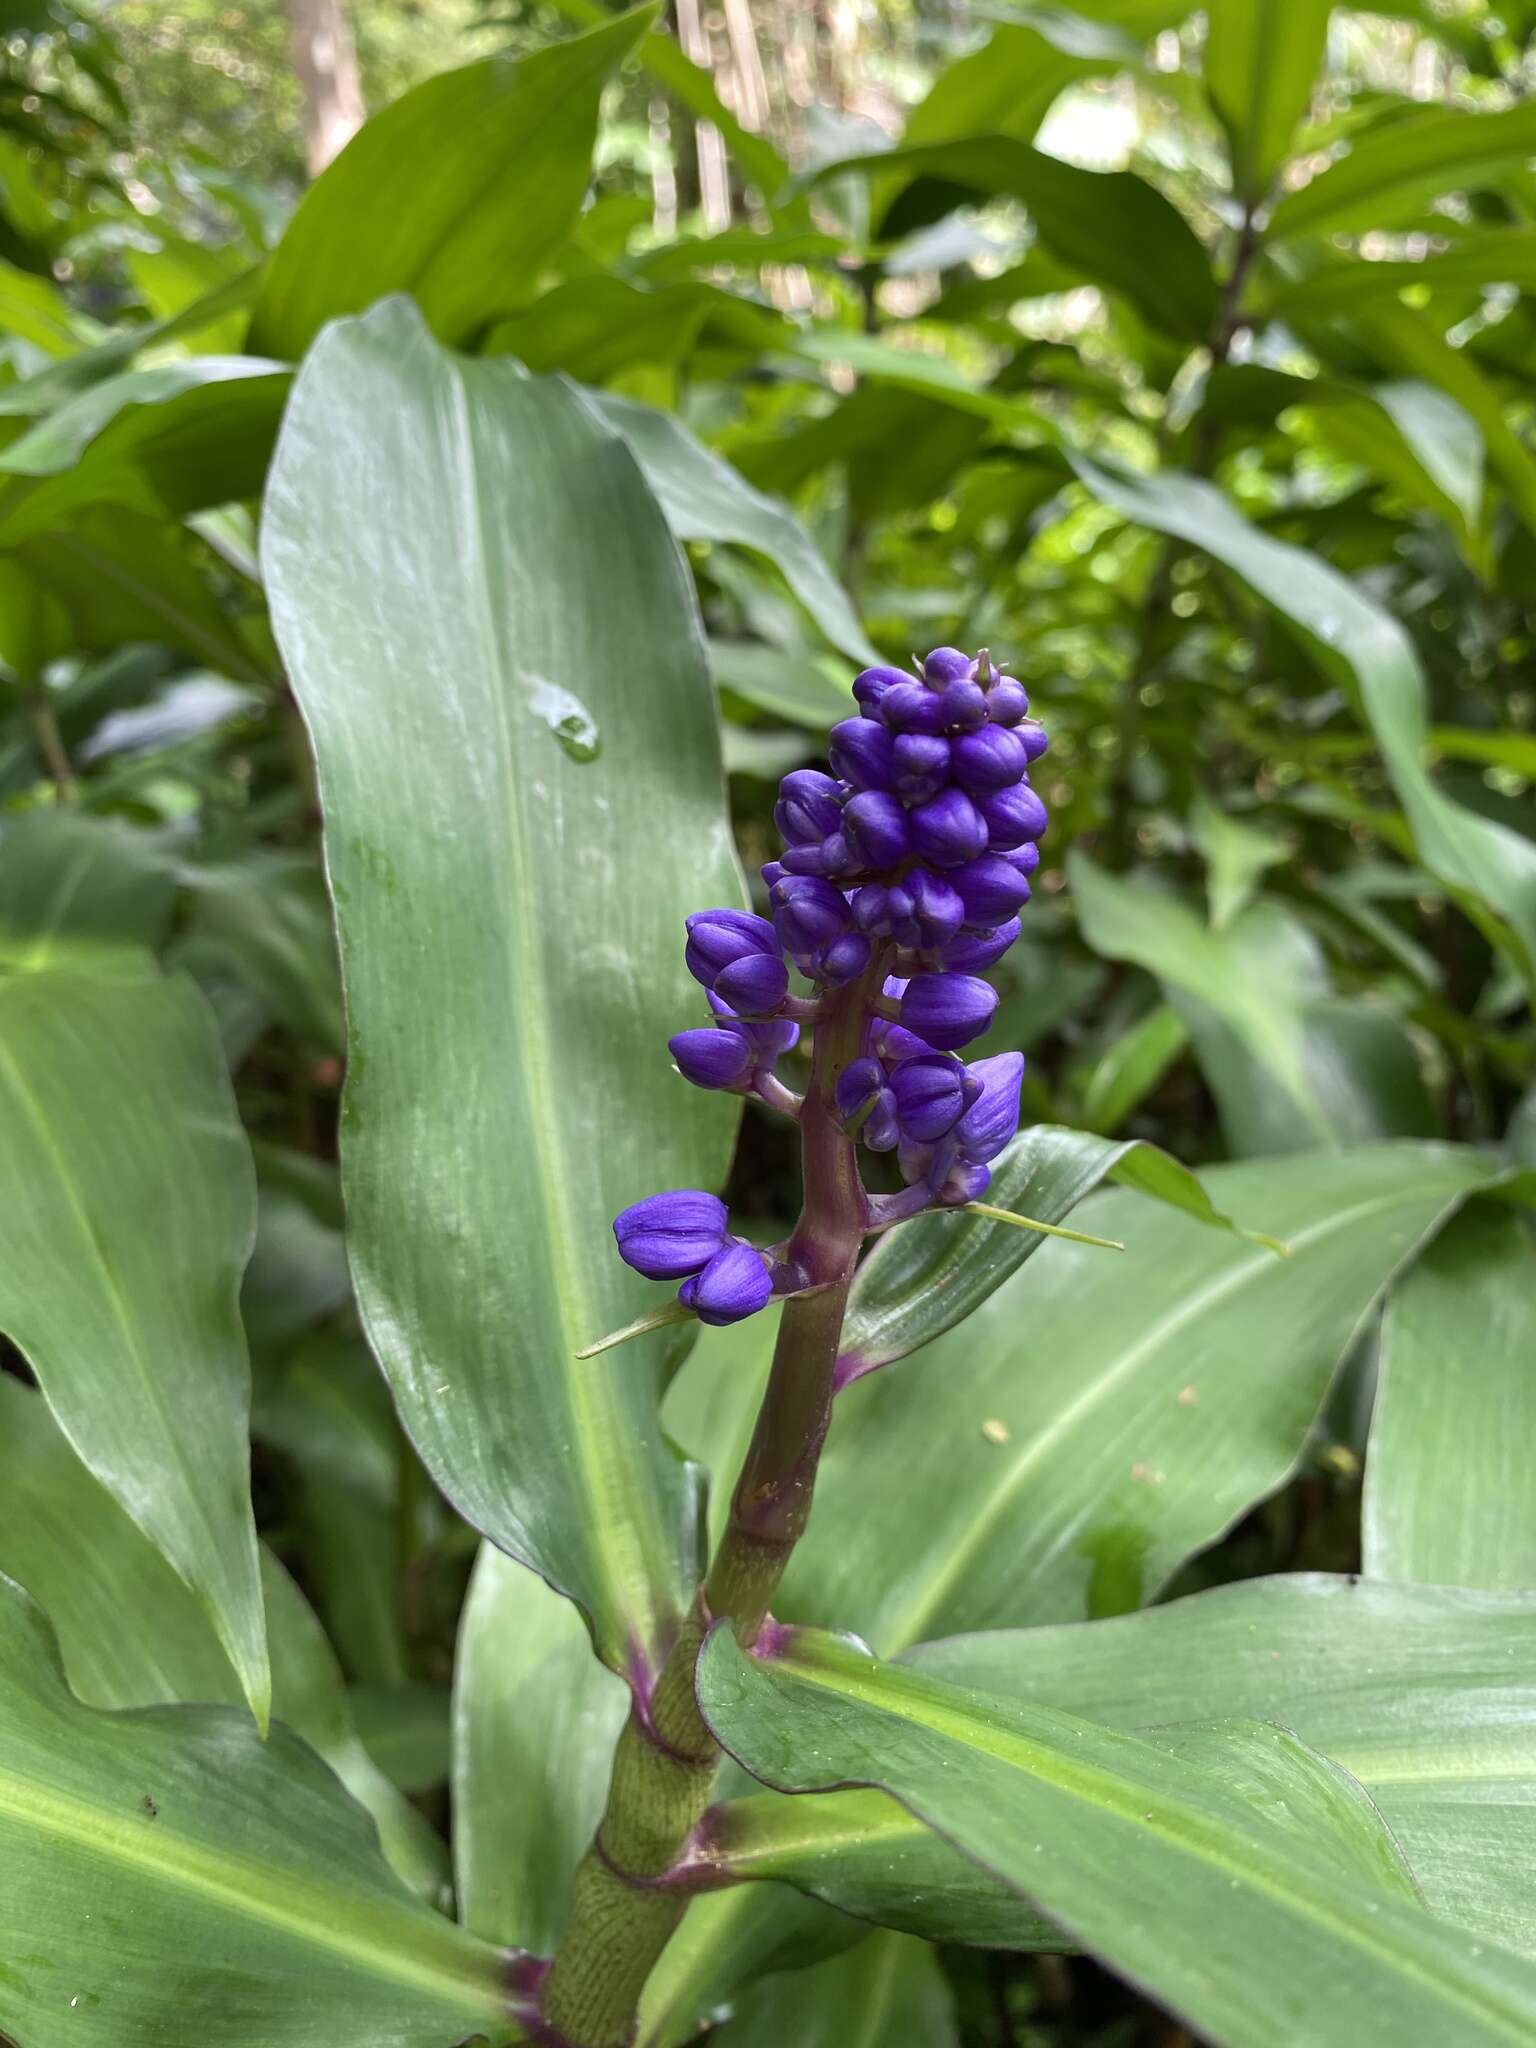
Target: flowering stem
[(630, 1893)]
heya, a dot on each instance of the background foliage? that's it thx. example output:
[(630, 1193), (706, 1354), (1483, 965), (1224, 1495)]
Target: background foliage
[(1183, 357)]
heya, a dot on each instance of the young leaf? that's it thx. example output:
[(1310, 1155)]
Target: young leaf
[(512, 853), (1447, 1495), (127, 1210), (242, 1887), (509, 141), (1262, 58), (1232, 1871)]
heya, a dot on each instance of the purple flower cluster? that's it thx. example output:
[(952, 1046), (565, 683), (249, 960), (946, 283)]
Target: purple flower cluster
[(903, 870)]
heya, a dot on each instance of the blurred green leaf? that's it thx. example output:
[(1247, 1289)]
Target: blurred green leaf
[(889, 1992), (1261, 63), (1390, 170)]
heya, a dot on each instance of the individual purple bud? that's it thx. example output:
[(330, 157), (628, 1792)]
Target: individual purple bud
[(993, 1117), (945, 665), (668, 1235), (948, 1010), (948, 829), (911, 707), (830, 856), (737, 1282), (919, 765), (990, 759), (807, 911), (716, 938), (929, 1096), (1014, 816), (754, 985), (974, 952), (963, 1183), (769, 1039), (857, 1086), (809, 807), (880, 1130), (871, 684), (714, 1056), (964, 704), (991, 889), (875, 827), (860, 752), (1034, 736), (1007, 701), (876, 908), (931, 912), (771, 872), (841, 960), (895, 1045)]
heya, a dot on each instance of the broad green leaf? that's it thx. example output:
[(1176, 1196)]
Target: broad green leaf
[(504, 977), (131, 1635), (127, 1209), (168, 440), (1448, 1498), (889, 1992), (1127, 1072), (1236, 855), (1007, 86), (407, 1730), (167, 1878), (1353, 639), (598, 329), (1423, 1694), (1392, 169), (810, 692), (704, 499), (509, 144), (67, 876), (726, 1941), (34, 309), (535, 1716), (1261, 61), (1112, 226), (1482, 255), (1231, 1871), (925, 1276), (1104, 1415)]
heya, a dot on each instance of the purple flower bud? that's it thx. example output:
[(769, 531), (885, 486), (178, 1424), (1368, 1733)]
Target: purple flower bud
[(895, 1045), (990, 759), (963, 1183), (1007, 701), (1013, 816), (737, 1282), (841, 959), (807, 911), (1025, 858), (809, 807), (946, 665), (753, 985), (718, 937), (880, 1130), (714, 1056), (993, 1117), (857, 1086), (871, 684), (769, 1040), (876, 908), (666, 1236), (860, 751), (929, 1096), (949, 829), (875, 826), (920, 765), (1033, 734), (771, 872), (830, 856), (911, 707), (973, 952), (931, 913), (964, 705), (991, 890), (948, 1010)]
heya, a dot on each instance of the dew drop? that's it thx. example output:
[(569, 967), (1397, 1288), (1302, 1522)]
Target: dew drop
[(567, 718)]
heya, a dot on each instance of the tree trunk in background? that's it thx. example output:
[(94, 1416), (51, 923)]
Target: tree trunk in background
[(325, 62)]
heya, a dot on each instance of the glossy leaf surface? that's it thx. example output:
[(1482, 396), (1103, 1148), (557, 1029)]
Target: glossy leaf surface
[(481, 838)]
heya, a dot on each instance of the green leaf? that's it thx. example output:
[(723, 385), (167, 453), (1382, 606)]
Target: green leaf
[(67, 876), (1236, 856), (1261, 60), (704, 499), (127, 1211), (1126, 1073), (599, 328), (923, 1277), (532, 1709), (504, 976), (1392, 169), (726, 1941), (168, 1878), (407, 1730), (1102, 1416), (889, 1992), (1008, 85), (1480, 256), (1111, 226), (1450, 1767), (806, 691), (509, 146), (264, 922), (1447, 1491), (1356, 641), (1230, 1871)]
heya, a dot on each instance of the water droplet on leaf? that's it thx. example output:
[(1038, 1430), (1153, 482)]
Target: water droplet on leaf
[(567, 718)]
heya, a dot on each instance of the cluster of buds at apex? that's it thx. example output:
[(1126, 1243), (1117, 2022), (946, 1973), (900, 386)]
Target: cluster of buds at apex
[(904, 869)]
